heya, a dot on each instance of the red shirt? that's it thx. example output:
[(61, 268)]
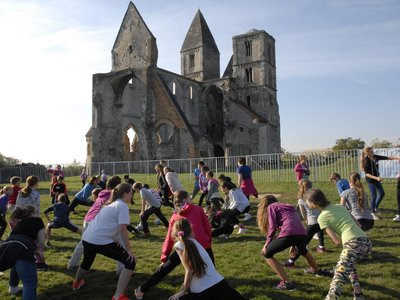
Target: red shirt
[(13, 198), (200, 225)]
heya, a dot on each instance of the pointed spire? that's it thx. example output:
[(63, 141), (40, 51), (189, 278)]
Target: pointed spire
[(135, 45), (199, 34)]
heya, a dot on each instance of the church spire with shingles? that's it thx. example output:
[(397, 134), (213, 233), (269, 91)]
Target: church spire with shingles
[(199, 52)]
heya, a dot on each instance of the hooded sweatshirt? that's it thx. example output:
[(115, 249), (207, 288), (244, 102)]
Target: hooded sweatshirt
[(96, 207), (200, 225)]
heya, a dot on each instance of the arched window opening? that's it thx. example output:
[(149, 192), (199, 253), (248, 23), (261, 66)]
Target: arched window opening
[(173, 88), (133, 139), (190, 92)]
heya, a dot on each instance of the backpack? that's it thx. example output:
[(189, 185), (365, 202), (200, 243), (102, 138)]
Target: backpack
[(13, 248)]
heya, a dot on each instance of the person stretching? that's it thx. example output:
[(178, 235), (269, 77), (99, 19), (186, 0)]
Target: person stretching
[(202, 281), (311, 215), (169, 260), (272, 216), (154, 206), (336, 220), (100, 238)]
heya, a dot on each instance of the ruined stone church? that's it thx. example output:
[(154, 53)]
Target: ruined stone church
[(195, 114)]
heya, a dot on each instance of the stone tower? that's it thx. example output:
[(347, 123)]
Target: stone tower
[(196, 114), (199, 52)]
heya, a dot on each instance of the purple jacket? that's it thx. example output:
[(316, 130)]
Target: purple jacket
[(283, 217)]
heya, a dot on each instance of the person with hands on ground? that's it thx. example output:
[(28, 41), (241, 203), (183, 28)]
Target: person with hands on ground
[(202, 281)]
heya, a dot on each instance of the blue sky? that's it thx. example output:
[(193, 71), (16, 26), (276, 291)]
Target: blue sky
[(338, 66)]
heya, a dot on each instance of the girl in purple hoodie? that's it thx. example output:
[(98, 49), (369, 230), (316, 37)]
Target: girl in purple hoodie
[(273, 216)]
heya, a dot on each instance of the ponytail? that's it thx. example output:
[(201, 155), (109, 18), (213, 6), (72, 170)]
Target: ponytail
[(304, 185), (262, 212), (183, 231), (31, 181), (355, 179), (119, 191)]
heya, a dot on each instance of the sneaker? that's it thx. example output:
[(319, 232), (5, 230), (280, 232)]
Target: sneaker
[(375, 217), (359, 296), (138, 294), (315, 237), (289, 264), (223, 236), (121, 297), (76, 285), (47, 244), (42, 266), (14, 290), (145, 235), (139, 227), (320, 249), (236, 226), (325, 273), (132, 229), (396, 218), (286, 286), (247, 217), (242, 230)]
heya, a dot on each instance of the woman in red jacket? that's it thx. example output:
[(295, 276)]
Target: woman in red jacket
[(202, 232)]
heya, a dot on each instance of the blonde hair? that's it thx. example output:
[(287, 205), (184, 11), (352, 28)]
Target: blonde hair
[(31, 181), (5, 189), (364, 153), (355, 179), (262, 212), (304, 185)]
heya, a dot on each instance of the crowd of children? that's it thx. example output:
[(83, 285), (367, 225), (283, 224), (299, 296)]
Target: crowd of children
[(191, 227)]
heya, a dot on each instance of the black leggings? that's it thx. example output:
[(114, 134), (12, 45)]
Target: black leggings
[(202, 196), (366, 224), (224, 229), (147, 213), (112, 250), (280, 244), (3, 225), (233, 213), (166, 268), (220, 290), (311, 231), (77, 201)]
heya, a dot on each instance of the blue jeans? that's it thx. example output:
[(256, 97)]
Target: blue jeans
[(377, 194), (26, 271)]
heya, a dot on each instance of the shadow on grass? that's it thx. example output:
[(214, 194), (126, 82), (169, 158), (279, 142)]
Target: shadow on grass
[(382, 243), (385, 293), (99, 285)]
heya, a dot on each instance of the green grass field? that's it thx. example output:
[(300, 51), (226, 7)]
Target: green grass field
[(238, 258)]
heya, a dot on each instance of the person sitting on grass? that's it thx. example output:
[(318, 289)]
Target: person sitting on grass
[(61, 218), (271, 216), (202, 281), (336, 220), (154, 205), (100, 238)]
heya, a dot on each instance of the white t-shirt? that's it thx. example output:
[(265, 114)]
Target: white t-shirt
[(173, 182), (104, 228), (149, 197), (210, 277), (238, 200)]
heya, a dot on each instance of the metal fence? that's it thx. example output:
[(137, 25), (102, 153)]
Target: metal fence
[(266, 167)]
